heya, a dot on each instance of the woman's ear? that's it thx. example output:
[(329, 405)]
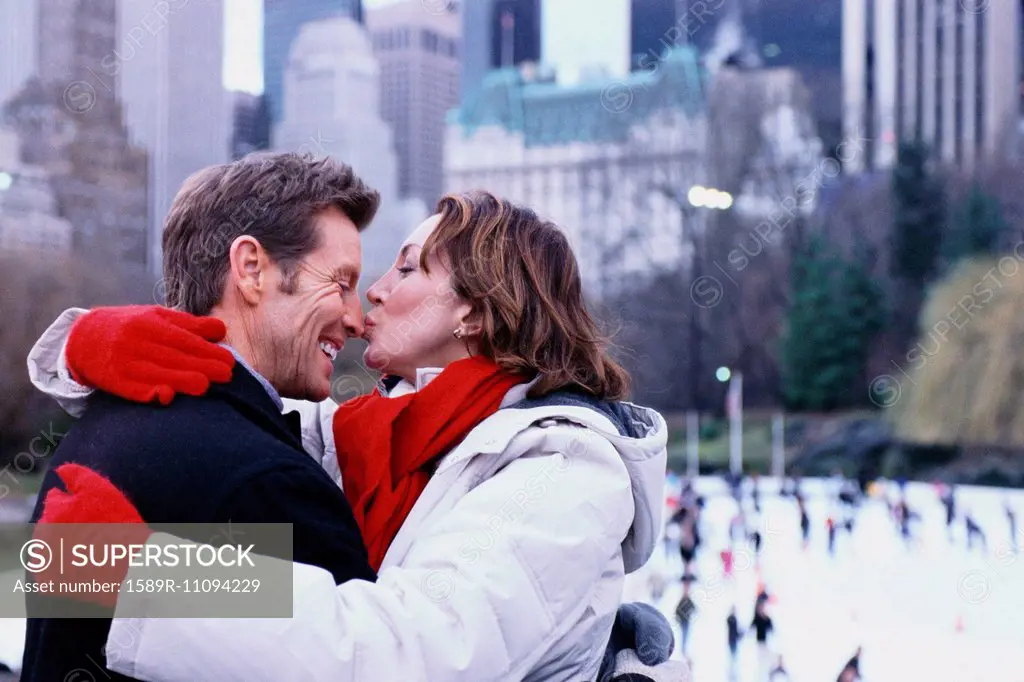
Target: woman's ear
[(247, 269), (471, 323)]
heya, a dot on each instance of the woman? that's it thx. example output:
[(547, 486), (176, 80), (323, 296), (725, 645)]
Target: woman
[(507, 559)]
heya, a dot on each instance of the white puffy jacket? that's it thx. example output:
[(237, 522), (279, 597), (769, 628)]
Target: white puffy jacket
[(510, 565)]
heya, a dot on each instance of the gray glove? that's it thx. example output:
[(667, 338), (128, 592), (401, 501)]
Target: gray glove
[(642, 629)]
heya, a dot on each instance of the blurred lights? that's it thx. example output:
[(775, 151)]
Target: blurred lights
[(6, 180), (707, 197), (723, 374)]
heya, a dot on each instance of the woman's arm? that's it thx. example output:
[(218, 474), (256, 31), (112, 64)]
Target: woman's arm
[(482, 594), (48, 370)]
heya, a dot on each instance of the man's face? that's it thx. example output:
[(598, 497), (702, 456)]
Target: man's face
[(297, 334)]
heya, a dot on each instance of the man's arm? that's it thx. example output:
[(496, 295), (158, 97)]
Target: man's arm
[(325, 532)]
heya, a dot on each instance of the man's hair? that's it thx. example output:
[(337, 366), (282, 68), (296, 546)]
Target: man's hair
[(520, 275), (271, 197)]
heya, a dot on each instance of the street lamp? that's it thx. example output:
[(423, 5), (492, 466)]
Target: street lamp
[(709, 197), (696, 198)]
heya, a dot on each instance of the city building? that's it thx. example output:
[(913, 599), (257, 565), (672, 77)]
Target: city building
[(251, 124), (418, 54), (650, 29), (795, 34), (282, 20), (29, 219), (495, 34), (168, 68), (17, 45), (597, 158), (946, 72), (332, 66), (70, 124)]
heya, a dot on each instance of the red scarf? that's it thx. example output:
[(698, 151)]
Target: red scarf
[(385, 445)]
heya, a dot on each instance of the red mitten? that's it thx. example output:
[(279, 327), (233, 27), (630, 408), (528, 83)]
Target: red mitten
[(90, 498), (144, 352)]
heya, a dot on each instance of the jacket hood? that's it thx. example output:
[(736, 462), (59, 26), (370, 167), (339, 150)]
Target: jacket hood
[(640, 436), (638, 433)]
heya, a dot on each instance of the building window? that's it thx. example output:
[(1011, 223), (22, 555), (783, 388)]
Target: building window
[(429, 41)]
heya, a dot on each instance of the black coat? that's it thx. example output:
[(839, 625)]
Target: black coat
[(762, 625), (227, 456)]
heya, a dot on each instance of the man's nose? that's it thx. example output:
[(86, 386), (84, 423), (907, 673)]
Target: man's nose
[(353, 319)]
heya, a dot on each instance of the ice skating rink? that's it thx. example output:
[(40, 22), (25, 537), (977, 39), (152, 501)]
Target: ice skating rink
[(933, 611)]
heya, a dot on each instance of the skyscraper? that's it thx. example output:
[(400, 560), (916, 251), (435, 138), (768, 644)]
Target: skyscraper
[(331, 67), (17, 45), (70, 124), (282, 20), (29, 220), (948, 73), (650, 23), (418, 53), (498, 33), (802, 35), (251, 124), (169, 67)]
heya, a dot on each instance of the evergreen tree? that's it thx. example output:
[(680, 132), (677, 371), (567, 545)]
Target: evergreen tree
[(919, 216), (977, 227), (834, 314)]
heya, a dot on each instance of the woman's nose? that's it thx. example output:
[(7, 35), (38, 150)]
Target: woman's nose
[(375, 294)]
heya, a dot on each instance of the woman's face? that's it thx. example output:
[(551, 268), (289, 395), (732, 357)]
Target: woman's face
[(413, 314)]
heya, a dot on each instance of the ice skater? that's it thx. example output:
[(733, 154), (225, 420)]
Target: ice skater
[(805, 522), (727, 561), (733, 635), (830, 524), (685, 610), (755, 539), (904, 515), (762, 626), (948, 500), (974, 530), (1011, 518), (778, 671), (755, 492)]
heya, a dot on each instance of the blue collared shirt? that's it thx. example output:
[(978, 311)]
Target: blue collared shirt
[(271, 391)]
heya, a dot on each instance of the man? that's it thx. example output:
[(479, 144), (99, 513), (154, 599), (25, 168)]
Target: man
[(268, 245)]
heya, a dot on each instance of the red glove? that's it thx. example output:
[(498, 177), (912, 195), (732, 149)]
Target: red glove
[(144, 352), (90, 499)]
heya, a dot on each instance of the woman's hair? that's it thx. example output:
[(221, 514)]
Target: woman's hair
[(521, 277)]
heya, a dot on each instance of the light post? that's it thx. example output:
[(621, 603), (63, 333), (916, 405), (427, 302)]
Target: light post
[(696, 198), (734, 410)]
